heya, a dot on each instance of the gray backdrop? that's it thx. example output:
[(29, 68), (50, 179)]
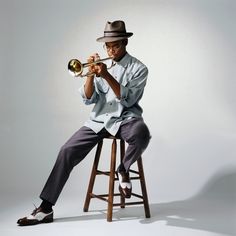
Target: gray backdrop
[(189, 102)]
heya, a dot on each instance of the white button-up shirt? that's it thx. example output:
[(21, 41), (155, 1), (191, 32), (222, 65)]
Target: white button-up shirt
[(109, 111)]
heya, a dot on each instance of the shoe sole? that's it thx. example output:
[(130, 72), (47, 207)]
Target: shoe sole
[(35, 222)]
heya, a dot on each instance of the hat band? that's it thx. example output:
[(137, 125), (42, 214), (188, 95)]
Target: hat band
[(114, 33)]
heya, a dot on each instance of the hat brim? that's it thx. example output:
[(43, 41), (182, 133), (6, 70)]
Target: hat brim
[(107, 39)]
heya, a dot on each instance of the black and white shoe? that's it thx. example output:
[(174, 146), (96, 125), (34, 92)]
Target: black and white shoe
[(125, 186), (37, 217)]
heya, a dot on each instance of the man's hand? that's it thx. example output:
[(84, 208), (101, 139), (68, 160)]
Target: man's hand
[(91, 59), (101, 70), (89, 86)]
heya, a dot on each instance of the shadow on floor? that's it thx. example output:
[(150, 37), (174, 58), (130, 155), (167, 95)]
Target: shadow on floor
[(213, 209)]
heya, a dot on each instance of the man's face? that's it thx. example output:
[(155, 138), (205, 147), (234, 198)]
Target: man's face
[(116, 49)]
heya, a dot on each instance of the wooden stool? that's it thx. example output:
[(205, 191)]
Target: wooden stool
[(109, 198)]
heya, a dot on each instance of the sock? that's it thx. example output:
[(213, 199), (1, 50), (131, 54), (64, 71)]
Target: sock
[(46, 206)]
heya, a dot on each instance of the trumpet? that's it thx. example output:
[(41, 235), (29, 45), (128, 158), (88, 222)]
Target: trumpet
[(76, 68)]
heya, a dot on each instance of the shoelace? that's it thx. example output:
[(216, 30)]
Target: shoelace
[(35, 210)]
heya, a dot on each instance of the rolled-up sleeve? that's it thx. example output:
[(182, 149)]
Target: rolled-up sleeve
[(133, 91), (86, 100)]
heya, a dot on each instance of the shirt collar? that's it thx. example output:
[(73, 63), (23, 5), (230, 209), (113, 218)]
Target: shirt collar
[(124, 61)]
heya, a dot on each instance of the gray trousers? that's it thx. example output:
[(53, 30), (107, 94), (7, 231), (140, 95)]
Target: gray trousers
[(134, 132)]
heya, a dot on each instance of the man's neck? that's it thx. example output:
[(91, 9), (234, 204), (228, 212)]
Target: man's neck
[(121, 57)]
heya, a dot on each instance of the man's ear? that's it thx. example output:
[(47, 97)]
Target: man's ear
[(125, 42)]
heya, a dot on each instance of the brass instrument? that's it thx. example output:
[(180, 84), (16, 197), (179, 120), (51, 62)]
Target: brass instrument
[(76, 68)]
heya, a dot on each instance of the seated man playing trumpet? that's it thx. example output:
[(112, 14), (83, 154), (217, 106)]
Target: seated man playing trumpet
[(115, 95)]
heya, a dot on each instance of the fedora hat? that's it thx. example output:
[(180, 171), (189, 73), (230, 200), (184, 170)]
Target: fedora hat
[(114, 31)]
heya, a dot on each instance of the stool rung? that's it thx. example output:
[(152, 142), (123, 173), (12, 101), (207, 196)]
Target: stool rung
[(128, 203), (137, 195), (101, 197), (108, 174), (133, 178), (134, 171), (100, 172), (133, 203), (104, 195)]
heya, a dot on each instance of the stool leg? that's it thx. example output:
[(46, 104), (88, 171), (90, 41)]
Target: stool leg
[(93, 176), (122, 154), (111, 181), (143, 187)]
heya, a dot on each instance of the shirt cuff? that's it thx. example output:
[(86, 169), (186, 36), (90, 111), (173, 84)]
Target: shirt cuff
[(87, 100), (123, 92)]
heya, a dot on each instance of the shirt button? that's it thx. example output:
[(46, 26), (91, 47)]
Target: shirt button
[(110, 103)]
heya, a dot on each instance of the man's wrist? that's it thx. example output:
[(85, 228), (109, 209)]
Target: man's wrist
[(107, 76), (90, 77)]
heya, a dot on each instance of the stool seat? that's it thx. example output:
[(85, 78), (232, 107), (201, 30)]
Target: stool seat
[(109, 197)]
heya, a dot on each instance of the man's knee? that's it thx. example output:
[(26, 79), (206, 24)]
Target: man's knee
[(140, 134), (66, 154)]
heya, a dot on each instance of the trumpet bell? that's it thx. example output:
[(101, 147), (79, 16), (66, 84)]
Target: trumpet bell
[(75, 67)]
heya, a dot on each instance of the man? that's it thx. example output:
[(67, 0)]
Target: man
[(116, 111)]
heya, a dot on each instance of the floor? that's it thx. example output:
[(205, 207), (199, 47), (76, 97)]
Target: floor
[(192, 217)]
